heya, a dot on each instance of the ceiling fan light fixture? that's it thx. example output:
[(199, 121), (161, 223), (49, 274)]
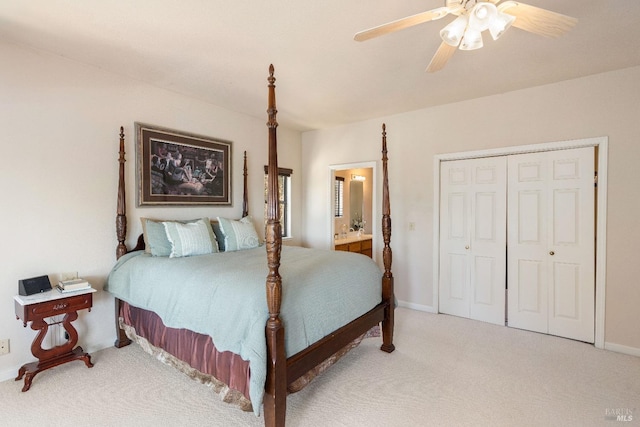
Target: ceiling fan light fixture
[(472, 17), (500, 24), (482, 15), (472, 40), (452, 33)]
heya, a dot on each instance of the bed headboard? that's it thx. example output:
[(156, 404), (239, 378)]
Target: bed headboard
[(121, 212)]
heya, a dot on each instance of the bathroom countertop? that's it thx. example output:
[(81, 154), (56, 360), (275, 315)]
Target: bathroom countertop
[(352, 238)]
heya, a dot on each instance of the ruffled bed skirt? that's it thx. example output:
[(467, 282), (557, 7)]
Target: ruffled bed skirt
[(196, 356)]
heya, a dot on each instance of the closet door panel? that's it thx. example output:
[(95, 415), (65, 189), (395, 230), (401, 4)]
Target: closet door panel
[(530, 209), (531, 290), (473, 239), (454, 237), (566, 291), (485, 276), (527, 248), (459, 280), (488, 239), (572, 243), (552, 226)]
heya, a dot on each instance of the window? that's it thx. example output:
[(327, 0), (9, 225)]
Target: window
[(284, 198), (339, 196)]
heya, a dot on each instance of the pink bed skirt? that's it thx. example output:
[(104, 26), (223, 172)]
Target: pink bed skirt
[(197, 350)]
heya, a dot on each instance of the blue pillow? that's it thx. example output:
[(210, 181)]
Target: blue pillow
[(193, 238), (155, 236)]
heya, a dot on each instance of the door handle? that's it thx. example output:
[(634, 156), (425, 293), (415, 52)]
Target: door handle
[(552, 253), (466, 247)]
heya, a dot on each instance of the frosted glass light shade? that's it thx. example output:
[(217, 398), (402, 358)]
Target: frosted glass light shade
[(500, 24), (472, 40), (482, 15), (452, 33)]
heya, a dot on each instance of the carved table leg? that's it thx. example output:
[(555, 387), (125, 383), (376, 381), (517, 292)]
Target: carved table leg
[(48, 358)]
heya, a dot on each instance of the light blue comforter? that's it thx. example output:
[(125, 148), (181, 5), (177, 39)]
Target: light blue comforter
[(223, 295)]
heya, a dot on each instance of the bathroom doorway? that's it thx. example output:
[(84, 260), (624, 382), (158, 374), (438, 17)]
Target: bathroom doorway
[(353, 205)]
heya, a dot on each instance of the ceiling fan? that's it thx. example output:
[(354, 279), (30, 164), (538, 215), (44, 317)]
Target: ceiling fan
[(474, 17)]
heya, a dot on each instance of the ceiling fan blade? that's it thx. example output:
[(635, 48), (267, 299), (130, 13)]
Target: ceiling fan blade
[(538, 21), (401, 24), (442, 56)]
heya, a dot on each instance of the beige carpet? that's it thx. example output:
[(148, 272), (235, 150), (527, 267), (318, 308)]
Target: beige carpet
[(445, 371)]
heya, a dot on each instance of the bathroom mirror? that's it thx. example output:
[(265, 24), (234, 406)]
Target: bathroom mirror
[(356, 204)]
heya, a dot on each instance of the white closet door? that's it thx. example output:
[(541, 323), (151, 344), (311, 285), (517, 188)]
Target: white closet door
[(454, 284), (551, 231), (527, 242), (473, 239), (572, 242)]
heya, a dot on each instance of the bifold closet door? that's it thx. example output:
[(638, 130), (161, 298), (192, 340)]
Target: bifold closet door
[(473, 238), (551, 233)]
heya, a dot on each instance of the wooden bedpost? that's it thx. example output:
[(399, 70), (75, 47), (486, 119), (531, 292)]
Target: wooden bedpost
[(121, 233), (121, 214), (275, 398), (245, 197), (387, 278)]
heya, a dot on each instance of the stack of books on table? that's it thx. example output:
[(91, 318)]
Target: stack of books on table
[(73, 285)]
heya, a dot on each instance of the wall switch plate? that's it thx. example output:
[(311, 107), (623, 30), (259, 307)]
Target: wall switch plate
[(4, 346)]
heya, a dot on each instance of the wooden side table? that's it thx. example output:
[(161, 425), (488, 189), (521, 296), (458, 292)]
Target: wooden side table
[(35, 309)]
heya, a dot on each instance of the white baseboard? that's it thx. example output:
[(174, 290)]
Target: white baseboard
[(418, 307), (619, 348), (9, 374)]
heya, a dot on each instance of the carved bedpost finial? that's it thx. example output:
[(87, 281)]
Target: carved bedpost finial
[(271, 110), (245, 197), (385, 174), (121, 144), (121, 214)]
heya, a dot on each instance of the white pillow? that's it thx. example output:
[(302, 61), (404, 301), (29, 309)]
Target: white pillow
[(189, 239), (238, 235)]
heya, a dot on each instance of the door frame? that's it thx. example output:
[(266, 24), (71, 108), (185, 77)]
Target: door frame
[(374, 194), (602, 146)]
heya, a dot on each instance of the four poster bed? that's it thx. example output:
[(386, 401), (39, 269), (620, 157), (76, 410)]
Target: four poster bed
[(225, 330)]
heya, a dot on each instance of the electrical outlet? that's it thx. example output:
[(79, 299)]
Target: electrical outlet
[(4, 346)]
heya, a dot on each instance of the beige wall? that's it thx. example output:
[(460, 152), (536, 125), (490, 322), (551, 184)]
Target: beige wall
[(60, 121), (59, 124), (600, 105)]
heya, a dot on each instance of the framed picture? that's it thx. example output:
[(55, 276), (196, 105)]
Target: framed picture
[(178, 168)]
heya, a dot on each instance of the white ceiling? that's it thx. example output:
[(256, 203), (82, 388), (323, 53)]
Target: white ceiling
[(219, 51)]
